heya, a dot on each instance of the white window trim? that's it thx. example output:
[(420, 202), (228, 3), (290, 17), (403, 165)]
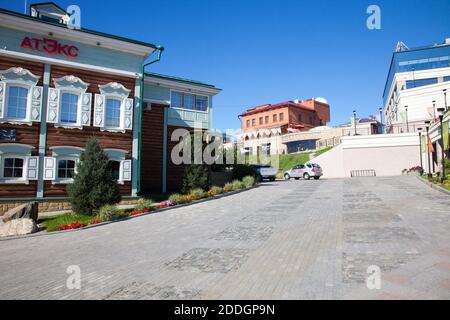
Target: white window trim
[(6, 118), (59, 180), (23, 179), (195, 95), (120, 128), (66, 125)]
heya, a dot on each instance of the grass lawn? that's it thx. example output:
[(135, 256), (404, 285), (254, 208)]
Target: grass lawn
[(322, 151), (287, 161), (51, 223)]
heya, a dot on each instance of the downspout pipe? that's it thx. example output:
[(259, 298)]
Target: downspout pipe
[(160, 50)]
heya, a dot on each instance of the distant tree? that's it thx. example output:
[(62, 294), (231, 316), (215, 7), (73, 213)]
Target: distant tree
[(195, 176), (93, 185)]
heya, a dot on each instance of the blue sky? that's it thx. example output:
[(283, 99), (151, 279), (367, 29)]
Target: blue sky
[(271, 51)]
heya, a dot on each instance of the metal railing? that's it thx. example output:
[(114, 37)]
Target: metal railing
[(363, 173)]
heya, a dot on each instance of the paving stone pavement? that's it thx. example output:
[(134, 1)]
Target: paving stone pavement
[(283, 240)]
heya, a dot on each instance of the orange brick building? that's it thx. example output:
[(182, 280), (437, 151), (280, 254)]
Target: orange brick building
[(263, 125)]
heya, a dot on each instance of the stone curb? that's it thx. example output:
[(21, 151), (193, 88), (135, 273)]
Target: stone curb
[(45, 233), (434, 186)]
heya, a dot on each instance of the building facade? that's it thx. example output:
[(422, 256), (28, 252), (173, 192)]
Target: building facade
[(416, 86), (60, 86), (264, 126)]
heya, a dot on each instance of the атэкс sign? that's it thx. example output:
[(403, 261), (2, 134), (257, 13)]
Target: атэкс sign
[(49, 46)]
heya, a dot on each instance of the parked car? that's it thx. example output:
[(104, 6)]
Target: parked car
[(265, 172), (305, 171)]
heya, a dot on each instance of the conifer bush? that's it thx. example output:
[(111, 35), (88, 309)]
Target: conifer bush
[(93, 184)]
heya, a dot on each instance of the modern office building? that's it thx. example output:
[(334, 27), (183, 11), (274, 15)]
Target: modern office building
[(60, 86), (416, 86), (264, 126)]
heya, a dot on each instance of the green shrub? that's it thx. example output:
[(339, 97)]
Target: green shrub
[(242, 170), (93, 185), (237, 184), (108, 212), (195, 176), (176, 198), (143, 204), (197, 194), (215, 190), (228, 187), (248, 181)]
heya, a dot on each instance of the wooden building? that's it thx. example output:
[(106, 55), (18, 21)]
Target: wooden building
[(59, 86)]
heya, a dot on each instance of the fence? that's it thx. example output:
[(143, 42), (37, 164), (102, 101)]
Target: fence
[(363, 173)]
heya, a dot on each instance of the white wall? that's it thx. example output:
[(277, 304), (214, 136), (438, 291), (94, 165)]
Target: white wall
[(387, 154)]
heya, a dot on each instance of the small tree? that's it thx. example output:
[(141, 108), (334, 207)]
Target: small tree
[(195, 176), (93, 185)]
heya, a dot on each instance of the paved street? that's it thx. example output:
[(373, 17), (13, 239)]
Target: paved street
[(283, 240)]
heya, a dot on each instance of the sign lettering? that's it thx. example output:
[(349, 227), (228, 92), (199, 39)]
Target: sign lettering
[(49, 46)]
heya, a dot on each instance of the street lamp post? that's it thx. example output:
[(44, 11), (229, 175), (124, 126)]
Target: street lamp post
[(354, 119), (420, 150), (445, 99), (427, 123), (381, 120), (407, 126), (441, 112)]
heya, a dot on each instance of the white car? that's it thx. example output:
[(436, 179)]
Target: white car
[(305, 171), (265, 172)]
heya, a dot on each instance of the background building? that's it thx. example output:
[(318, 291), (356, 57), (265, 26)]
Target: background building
[(263, 126), (416, 85)]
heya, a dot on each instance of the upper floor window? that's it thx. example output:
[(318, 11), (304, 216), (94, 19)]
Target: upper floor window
[(248, 123), (13, 168), (189, 101), (275, 118), (69, 108), (260, 120), (112, 117), (266, 119), (253, 122), (420, 82), (281, 116), (68, 103), (20, 98), (17, 102), (447, 78), (300, 117)]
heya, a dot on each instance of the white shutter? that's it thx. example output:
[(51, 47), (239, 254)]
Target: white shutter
[(49, 168), (53, 105), (125, 166), (36, 103), (99, 110), (128, 114), (2, 98), (86, 109), (32, 168)]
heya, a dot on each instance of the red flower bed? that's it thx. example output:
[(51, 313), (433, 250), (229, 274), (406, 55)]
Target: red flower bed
[(97, 221), (136, 212), (69, 226)]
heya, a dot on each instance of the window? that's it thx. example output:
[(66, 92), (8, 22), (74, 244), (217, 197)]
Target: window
[(253, 122), (13, 168), (260, 120), (112, 116), (69, 107), (266, 119), (248, 123), (201, 103), (310, 119), (115, 169), (420, 83), (17, 102), (281, 116), (274, 118), (447, 78), (300, 117), (66, 169), (189, 101)]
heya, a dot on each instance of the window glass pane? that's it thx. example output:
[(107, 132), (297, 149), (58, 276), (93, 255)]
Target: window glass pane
[(177, 100), (189, 101), (420, 83), (69, 107), (17, 102), (115, 168), (112, 113), (66, 168), (13, 168), (201, 103)]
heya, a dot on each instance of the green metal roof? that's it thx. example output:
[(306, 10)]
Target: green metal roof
[(162, 76), (24, 16)]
